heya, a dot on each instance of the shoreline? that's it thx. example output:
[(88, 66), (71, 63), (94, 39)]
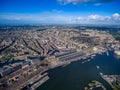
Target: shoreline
[(63, 64)]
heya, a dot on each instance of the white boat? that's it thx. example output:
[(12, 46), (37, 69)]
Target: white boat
[(82, 62), (117, 52), (84, 57), (107, 53), (101, 73), (97, 67), (93, 55), (88, 60)]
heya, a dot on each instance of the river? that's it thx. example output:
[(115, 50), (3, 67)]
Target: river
[(76, 75)]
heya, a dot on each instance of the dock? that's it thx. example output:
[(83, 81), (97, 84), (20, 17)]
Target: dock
[(39, 83)]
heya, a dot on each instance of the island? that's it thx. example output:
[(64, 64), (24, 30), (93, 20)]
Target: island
[(113, 80), (95, 85)]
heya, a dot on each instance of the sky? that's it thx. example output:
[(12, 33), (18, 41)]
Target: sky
[(60, 12)]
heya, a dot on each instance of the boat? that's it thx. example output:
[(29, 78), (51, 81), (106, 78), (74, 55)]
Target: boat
[(94, 55), (101, 73), (97, 67), (82, 62), (88, 60), (117, 52), (84, 57), (107, 53)]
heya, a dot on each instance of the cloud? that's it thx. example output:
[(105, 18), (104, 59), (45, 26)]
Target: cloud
[(99, 18), (36, 18), (97, 4), (116, 17), (57, 11), (95, 17), (59, 18), (75, 2)]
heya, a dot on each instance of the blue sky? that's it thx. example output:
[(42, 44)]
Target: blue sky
[(60, 11)]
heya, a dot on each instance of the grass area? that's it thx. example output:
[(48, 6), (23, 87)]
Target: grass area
[(116, 35), (114, 84), (7, 57), (94, 85)]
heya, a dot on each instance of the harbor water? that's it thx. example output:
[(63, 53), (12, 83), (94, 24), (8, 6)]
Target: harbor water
[(77, 75)]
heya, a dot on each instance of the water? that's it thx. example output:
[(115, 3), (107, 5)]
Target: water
[(76, 75)]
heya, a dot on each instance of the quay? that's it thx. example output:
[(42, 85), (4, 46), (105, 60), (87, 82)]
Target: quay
[(39, 83)]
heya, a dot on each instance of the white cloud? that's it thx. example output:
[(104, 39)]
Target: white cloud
[(59, 18), (113, 18), (57, 11), (99, 18), (97, 4), (116, 17), (73, 1), (94, 17), (40, 18)]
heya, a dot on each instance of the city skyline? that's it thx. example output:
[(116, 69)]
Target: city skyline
[(60, 12)]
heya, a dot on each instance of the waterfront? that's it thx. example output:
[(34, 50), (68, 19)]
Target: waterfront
[(76, 75), (37, 51)]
